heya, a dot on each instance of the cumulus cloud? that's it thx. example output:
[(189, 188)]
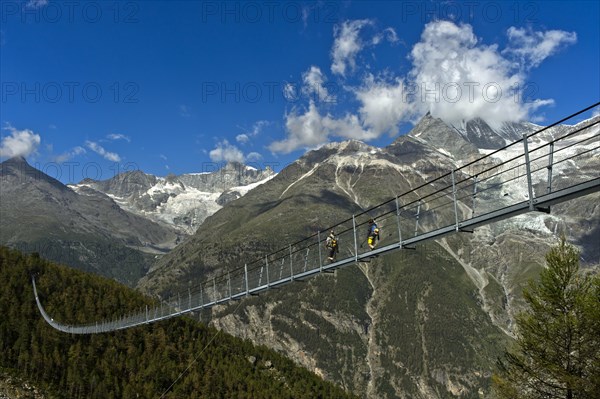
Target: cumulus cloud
[(242, 138), (254, 157), (384, 105), (314, 85), (347, 44), (18, 143), (64, 157), (98, 149), (456, 78), (118, 136), (224, 151), (305, 130), (534, 47), (311, 129)]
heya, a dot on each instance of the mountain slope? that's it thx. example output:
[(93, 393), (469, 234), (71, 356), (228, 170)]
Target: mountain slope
[(340, 325), (147, 362), (85, 229)]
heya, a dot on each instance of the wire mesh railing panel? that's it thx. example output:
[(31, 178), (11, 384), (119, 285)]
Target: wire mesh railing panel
[(575, 158)]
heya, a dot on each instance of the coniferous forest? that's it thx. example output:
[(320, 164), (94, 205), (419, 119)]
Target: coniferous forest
[(178, 358)]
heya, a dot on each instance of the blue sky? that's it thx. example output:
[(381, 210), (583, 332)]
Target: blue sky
[(92, 88)]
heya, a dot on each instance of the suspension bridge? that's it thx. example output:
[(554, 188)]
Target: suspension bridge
[(527, 175)]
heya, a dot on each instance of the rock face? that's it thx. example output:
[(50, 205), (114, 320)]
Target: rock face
[(181, 202), (427, 323), (83, 228)]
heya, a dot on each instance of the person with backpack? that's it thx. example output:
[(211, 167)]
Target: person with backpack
[(332, 244), (373, 235)]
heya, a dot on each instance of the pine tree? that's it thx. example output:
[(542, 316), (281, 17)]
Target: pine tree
[(558, 338)]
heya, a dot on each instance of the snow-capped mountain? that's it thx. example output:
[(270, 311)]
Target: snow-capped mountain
[(183, 201)]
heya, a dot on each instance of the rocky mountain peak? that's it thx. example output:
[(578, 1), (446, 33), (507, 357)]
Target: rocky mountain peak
[(441, 136), (468, 138), (17, 160), (17, 170)]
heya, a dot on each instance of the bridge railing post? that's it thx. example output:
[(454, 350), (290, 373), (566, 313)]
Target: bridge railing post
[(291, 264), (528, 172), (398, 220), (215, 289), (355, 238), (229, 284), (267, 269), (246, 278), (320, 255), (417, 217), (474, 194), (454, 198), (306, 259), (549, 167)]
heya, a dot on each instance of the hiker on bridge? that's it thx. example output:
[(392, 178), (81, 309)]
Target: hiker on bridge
[(373, 235), (332, 244)]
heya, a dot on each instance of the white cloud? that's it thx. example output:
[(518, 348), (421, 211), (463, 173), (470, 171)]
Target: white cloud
[(257, 127), (97, 148), (388, 33), (314, 85), (457, 78), (347, 44), (384, 105), (185, 111), (36, 4), (290, 92), (226, 152), (242, 138), (163, 157), (311, 129), (19, 143), (534, 47), (254, 157), (304, 130), (118, 136), (69, 154), (391, 35)]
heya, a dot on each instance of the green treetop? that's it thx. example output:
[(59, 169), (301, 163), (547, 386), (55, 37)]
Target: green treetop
[(557, 349)]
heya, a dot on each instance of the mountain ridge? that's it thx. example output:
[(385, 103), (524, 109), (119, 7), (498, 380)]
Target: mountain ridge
[(181, 202)]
